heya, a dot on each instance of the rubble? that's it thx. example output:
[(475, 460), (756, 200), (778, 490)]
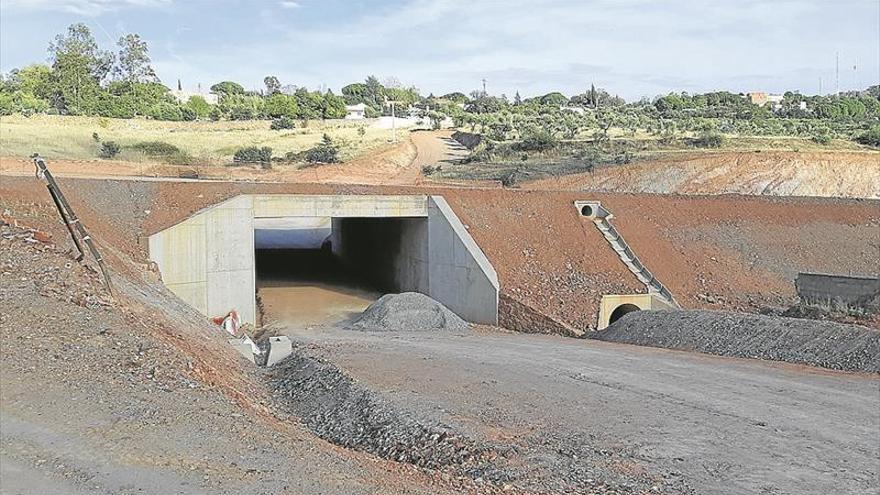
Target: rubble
[(408, 312)]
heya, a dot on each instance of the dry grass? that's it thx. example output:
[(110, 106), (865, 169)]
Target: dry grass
[(63, 137)]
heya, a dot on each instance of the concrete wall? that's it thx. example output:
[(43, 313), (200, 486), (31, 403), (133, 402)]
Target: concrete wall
[(645, 302), (459, 274), (208, 259), (840, 289)]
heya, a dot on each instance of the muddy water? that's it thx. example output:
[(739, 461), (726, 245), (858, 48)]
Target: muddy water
[(296, 304)]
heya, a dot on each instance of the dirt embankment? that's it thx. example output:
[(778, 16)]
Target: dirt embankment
[(774, 173), (716, 252), (816, 343)]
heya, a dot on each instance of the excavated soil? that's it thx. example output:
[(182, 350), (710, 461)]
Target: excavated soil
[(774, 173), (816, 343)]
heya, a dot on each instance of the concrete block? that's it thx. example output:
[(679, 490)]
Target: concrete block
[(279, 348), (243, 348)]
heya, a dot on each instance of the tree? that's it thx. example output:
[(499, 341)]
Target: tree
[(133, 60), (517, 99), (273, 85), (201, 107), (281, 105), (78, 67), (555, 99), (227, 88), (333, 106)]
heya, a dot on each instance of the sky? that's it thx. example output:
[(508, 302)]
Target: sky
[(634, 48)]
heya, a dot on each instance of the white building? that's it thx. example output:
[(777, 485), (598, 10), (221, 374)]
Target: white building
[(355, 112), (183, 96)]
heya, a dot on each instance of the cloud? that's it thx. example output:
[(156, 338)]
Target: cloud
[(289, 4), (82, 7)]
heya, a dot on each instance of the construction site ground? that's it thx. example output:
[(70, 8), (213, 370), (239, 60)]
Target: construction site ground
[(140, 393)]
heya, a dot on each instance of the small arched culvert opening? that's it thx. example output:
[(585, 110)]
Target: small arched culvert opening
[(622, 310)]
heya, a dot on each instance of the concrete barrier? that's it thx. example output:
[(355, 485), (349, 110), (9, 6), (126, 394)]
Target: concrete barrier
[(820, 288)]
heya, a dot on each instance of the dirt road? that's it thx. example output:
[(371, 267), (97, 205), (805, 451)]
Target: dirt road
[(776, 173), (694, 423)]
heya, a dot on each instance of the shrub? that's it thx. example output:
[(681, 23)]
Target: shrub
[(871, 137), (429, 170), (284, 122), (109, 149), (241, 112), (325, 152), (708, 139), (188, 113), (166, 151), (823, 138), (536, 140), (253, 154), (166, 111)]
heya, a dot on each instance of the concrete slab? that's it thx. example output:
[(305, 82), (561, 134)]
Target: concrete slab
[(625, 302), (243, 348)]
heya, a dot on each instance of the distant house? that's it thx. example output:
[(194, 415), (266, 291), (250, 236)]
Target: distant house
[(183, 96), (355, 112), (760, 98)]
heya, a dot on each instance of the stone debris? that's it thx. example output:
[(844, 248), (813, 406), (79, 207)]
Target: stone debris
[(408, 312), (816, 343)]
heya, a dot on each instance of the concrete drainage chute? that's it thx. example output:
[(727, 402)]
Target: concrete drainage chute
[(658, 296)]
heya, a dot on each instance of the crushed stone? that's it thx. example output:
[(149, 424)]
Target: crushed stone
[(408, 312), (816, 343)]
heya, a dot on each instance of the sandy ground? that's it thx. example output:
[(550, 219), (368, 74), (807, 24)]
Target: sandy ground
[(774, 173), (702, 424)]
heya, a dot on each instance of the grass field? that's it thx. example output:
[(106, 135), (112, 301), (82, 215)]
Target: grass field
[(64, 137)]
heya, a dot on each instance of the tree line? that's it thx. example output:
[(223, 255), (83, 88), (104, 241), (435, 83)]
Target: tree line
[(83, 79)]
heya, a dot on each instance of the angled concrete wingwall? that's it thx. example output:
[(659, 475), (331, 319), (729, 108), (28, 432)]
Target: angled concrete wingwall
[(459, 274), (208, 260)]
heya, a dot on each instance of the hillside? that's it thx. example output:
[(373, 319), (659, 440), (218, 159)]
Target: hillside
[(776, 173)]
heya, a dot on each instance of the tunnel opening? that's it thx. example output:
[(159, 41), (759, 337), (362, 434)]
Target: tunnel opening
[(622, 310), (325, 271)]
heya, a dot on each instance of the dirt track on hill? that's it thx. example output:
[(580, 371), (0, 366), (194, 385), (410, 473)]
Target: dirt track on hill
[(774, 173)]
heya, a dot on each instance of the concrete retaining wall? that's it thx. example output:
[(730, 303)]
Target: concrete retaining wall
[(459, 274), (208, 259), (821, 288)]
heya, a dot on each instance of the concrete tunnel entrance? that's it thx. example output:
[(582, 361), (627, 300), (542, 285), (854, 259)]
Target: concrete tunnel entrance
[(325, 271), (352, 247)]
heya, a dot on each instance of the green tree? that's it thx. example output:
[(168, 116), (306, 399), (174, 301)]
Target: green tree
[(227, 88), (281, 105), (133, 60), (78, 67), (198, 105), (333, 106), (273, 85)]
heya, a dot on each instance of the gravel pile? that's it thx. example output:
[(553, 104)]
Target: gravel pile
[(408, 312), (345, 413), (817, 343)]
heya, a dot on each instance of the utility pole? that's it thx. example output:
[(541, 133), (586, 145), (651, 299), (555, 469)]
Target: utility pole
[(837, 73)]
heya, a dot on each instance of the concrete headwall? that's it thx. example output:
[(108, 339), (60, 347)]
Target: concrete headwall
[(839, 289), (208, 259), (410, 243), (459, 274)]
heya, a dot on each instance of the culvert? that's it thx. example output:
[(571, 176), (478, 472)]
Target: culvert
[(622, 310), (400, 243)]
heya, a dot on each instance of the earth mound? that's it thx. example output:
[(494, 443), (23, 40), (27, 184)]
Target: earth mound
[(408, 312), (816, 343)]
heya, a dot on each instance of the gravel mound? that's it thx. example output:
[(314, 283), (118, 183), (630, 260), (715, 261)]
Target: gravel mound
[(341, 411), (817, 343), (408, 312)]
